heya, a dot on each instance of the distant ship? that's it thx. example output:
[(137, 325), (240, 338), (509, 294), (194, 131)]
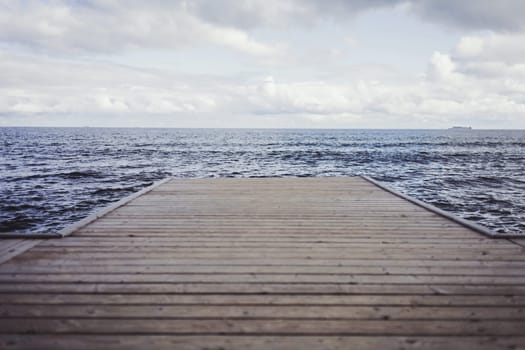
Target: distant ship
[(460, 128)]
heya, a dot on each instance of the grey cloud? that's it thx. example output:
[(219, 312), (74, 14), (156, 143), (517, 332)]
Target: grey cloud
[(114, 25), (354, 7), (504, 15), (249, 14), (496, 15)]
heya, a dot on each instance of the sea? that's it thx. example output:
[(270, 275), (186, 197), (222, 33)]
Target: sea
[(53, 177)]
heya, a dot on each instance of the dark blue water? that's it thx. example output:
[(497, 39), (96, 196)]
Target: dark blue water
[(52, 177)]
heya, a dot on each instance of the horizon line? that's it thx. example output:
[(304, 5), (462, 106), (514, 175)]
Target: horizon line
[(247, 128)]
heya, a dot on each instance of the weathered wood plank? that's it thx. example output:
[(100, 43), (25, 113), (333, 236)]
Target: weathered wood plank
[(266, 263), (265, 299), (319, 279), (263, 327), (14, 247), (325, 312), (30, 268), (169, 342), (8, 244), (272, 261), (262, 288), (334, 249), (210, 254), (284, 238)]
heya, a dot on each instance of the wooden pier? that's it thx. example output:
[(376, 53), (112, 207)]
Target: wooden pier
[(310, 263)]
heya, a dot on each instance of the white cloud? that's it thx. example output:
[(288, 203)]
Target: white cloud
[(56, 47), (115, 25), (469, 46), (508, 48), (442, 69), (91, 27), (237, 40), (37, 86)]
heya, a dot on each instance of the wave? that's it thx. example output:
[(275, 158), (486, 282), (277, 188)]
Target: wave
[(48, 184)]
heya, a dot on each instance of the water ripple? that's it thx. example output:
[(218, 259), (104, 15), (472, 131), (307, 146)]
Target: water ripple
[(52, 177)]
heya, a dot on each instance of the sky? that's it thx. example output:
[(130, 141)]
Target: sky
[(419, 64)]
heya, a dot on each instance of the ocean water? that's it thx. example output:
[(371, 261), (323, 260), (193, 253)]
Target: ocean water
[(52, 177)]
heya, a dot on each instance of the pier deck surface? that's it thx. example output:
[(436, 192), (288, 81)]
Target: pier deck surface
[(309, 263)]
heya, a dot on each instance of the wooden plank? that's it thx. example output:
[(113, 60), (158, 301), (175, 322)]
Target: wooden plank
[(277, 248), (457, 219), (378, 300), (306, 312), (199, 342), (209, 254), (99, 214), (262, 288), (518, 241), (14, 248), (272, 261), (337, 249), (297, 278), (248, 263), (8, 244), (164, 233), (123, 244), (320, 238), (263, 327), (30, 268)]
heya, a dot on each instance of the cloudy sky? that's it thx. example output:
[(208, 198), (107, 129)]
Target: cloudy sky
[(263, 63)]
